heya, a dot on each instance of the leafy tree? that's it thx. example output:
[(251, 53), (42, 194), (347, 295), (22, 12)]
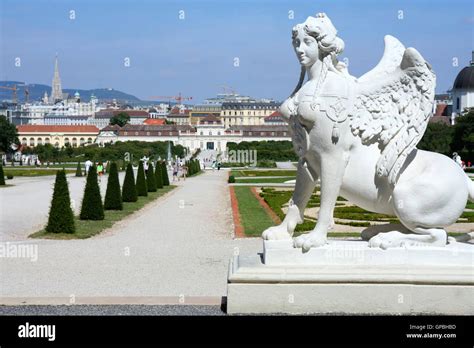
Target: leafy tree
[(142, 188), (2, 176), (44, 152), (68, 150), (109, 152), (61, 217), (92, 207), (8, 134), (129, 189), (437, 138), (113, 196), (121, 119), (150, 178), (158, 175), (463, 137), (281, 150)]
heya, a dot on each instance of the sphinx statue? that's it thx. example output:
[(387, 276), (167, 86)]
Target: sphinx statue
[(358, 136)]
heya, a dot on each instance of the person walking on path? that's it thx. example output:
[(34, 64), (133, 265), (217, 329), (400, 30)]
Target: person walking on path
[(175, 171), (88, 165), (145, 166), (184, 169), (100, 170)]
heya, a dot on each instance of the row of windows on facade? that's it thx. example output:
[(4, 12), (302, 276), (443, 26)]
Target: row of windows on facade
[(39, 141), (234, 113), (210, 133)]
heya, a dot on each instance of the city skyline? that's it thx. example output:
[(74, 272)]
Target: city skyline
[(148, 49)]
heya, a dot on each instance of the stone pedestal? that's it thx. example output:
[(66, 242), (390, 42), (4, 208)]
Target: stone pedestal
[(348, 277)]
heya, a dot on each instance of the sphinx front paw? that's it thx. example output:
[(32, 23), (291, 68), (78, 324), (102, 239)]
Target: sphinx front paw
[(279, 232), (309, 240)]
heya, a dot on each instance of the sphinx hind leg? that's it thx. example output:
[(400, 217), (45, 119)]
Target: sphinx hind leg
[(423, 236)]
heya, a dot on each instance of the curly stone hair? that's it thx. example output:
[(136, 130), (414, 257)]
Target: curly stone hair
[(325, 34)]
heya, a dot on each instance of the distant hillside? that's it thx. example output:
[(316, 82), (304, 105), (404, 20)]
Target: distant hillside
[(37, 92)]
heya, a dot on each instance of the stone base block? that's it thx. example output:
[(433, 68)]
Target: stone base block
[(350, 278)]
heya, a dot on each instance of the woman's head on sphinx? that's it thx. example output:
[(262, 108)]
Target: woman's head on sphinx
[(315, 39)]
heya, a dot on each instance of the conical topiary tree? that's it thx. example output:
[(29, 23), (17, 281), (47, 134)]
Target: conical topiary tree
[(164, 173), (61, 217), (158, 175), (150, 178), (186, 163), (142, 188), (2, 175), (78, 169), (113, 195), (129, 190), (92, 207)]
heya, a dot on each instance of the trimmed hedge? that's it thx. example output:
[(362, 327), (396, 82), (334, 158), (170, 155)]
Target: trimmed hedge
[(113, 196), (92, 207), (194, 167), (158, 175), (142, 189), (129, 190), (164, 173), (2, 176), (150, 178), (61, 216), (78, 169)]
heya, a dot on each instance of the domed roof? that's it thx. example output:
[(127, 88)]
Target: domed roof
[(465, 78)]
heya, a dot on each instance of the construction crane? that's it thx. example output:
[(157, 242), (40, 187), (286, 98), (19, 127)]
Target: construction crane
[(227, 89), (14, 92), (179, 98), (27, 93)]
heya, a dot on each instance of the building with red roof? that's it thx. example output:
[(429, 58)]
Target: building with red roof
[(58, 136)]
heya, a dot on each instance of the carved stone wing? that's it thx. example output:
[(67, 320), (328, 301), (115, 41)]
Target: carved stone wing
[(393, 104)]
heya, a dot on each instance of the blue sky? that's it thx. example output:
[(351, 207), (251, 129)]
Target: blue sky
[(195, 56)]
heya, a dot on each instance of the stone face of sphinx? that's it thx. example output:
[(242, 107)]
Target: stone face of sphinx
[(306, 48)]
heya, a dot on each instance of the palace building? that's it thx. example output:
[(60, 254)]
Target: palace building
[(247, 113), (58, 136)]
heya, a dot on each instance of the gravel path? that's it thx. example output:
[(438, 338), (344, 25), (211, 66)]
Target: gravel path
[(179, 245), (141, 310), (285, 165), (24, 207)]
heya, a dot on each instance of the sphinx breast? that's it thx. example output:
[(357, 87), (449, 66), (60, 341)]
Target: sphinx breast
[(306, 115)]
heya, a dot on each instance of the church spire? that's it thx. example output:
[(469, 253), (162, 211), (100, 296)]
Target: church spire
[(56, 93)]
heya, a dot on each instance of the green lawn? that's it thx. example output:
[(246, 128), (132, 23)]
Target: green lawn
[(469, 215), (356, 213), (277, 198), (32, 172), (264, 180), (87, 228), (251, 173), (254, 218)]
